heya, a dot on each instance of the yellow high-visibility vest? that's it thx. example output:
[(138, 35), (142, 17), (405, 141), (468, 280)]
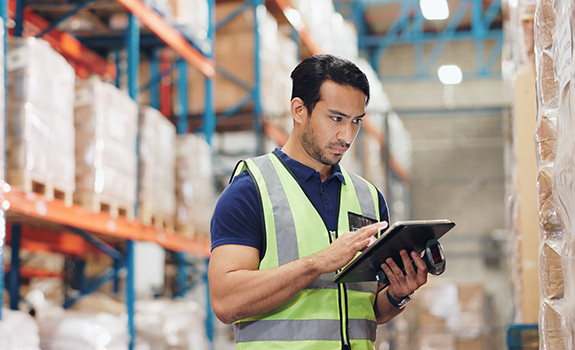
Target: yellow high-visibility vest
[(323, 315)]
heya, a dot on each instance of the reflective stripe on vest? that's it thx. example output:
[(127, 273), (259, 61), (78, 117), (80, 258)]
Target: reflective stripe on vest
[(294, 229)]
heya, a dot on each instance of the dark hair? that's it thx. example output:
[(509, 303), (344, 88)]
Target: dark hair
[(310, 74)]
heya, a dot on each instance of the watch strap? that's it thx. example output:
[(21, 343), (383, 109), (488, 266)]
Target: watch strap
[(399, 304)]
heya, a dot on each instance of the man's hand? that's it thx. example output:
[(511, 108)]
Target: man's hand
[(345, 247), (402, 284)]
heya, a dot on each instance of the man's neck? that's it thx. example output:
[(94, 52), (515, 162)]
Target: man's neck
[(300, 155)]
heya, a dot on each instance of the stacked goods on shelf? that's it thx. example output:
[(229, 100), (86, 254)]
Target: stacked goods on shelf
[(171, 324), (328, 29), (234, 51), (191, 16), (40, 119), (106, 121), (195, 191), (446, 315), (555, 141), (18, 331), (157, 192), (94, 322)]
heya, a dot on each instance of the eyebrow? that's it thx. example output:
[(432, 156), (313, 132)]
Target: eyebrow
[(341, 114)]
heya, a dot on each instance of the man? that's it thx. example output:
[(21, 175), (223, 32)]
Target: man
[(281, 229)]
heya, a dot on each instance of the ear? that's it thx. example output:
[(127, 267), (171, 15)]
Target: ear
[(298, 110)]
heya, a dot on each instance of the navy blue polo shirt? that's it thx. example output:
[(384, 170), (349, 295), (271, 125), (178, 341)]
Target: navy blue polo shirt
[(237, 217)]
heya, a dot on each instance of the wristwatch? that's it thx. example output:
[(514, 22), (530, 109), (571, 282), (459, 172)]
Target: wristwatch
[(399, 304)]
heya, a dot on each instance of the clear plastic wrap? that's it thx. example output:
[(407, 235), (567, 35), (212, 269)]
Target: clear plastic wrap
[(73, 330), (157, 169), (195, 186), (191, 17), (106, 121), (40, 105), (18, 331), (164, 324), (447, 315), (555, 141)]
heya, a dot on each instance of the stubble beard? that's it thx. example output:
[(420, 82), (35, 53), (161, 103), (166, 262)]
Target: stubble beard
[(309, 141)]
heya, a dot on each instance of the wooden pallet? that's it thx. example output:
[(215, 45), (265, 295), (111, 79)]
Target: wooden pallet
[(32, 183), (159, 221), (106, 204)]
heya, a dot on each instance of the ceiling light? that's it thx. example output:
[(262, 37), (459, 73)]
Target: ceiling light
[(450, 74), (434, 10)]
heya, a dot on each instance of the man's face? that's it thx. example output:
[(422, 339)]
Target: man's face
[(334, 123)]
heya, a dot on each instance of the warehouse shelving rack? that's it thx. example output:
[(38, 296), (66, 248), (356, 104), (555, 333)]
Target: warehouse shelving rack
[(37, 223), (67, 224)]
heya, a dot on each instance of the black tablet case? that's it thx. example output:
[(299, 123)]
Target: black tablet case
[(409, 235)]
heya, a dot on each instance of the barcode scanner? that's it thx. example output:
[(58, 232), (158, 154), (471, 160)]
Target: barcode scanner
[(434, 258)]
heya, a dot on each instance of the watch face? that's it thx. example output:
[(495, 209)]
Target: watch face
[(405, 300)]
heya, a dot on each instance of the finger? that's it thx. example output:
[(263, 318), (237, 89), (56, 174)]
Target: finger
[(407, 264), (421, 265), (366, 232), (390, 275), (372, 229), (399, 275)]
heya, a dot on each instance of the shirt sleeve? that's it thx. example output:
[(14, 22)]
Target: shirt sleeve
[(383, 210), (237, 217)]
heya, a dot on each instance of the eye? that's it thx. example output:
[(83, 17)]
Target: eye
[(336, 118), (357, 121)]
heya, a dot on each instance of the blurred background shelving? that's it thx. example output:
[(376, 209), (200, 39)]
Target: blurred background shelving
[(125, 118)]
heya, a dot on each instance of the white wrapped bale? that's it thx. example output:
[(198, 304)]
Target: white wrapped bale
[(40, 119), (195, 188), (106, 121), (157, 192)]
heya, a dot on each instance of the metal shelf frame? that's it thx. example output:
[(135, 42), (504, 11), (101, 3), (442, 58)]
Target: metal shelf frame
[(79, 220), (407, 28)]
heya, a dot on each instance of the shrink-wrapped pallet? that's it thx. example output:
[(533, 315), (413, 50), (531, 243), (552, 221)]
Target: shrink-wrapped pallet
[(446, 315), (555, 140), (106, 121), (195, 189), (40, 119), (157, 192), (191, 17), (167, 324), (18, 331)]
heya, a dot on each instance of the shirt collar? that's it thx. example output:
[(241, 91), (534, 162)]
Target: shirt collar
[(302, 172)]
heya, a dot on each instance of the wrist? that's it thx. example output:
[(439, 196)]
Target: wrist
[(398, 302)]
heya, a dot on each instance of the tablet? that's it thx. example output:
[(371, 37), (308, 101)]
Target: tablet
[(409, 235)]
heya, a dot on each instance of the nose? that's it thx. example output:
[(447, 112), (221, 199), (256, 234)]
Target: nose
[(348, 132)]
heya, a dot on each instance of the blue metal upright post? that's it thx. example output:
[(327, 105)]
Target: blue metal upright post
[(209, 117), (19, 18), (259, 12), (155, 78), (133, 48), (14, 278), (182, 111), (4, 16), (210, 328)]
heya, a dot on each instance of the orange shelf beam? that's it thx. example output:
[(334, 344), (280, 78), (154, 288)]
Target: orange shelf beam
[(293, 17), (84, 60), (26, 272), (170, 36), (33, 205), (43, 240)]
